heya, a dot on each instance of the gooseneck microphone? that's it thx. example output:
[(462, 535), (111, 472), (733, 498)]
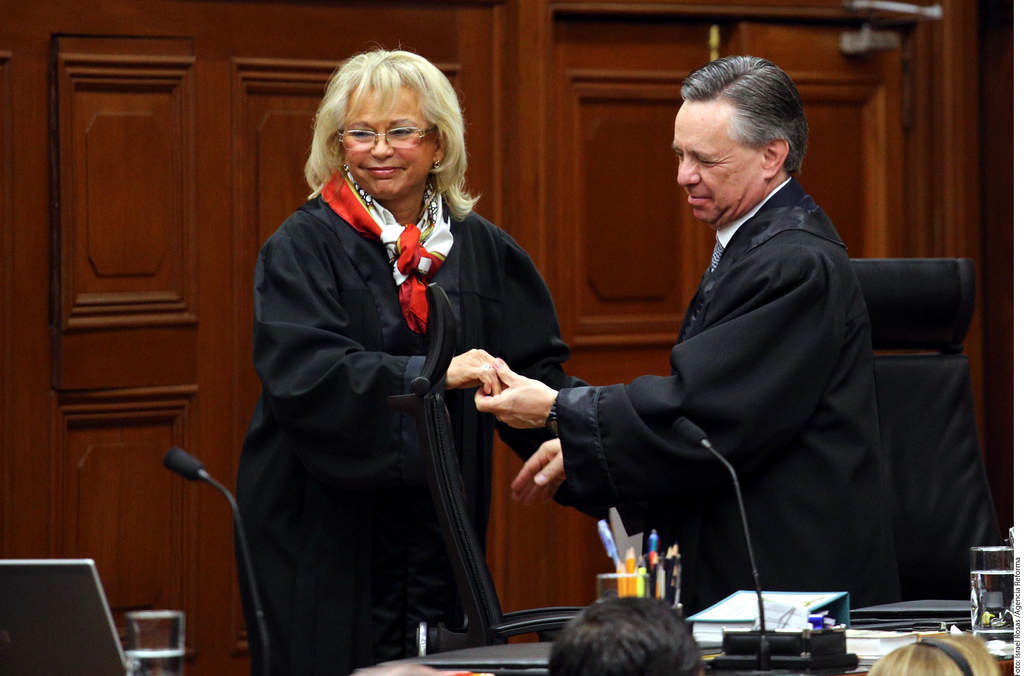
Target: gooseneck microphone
[(689, 431), (761, 649), (180, 462)]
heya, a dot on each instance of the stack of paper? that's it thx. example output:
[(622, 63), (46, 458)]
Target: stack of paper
[(783, 610), (874, 643)]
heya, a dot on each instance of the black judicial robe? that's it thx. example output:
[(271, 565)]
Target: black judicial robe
[(774, 362), (346, 545)]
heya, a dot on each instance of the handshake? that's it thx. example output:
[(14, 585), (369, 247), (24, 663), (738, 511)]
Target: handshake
[(518, 402)]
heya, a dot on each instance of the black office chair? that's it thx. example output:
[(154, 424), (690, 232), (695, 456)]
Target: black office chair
[(920, 310), (485, 623)]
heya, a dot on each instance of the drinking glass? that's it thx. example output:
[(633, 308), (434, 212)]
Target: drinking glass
[(155, 642), (992, 593)]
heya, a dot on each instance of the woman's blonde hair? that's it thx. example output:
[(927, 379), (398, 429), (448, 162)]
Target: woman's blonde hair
[(918, 659), (385, 73)]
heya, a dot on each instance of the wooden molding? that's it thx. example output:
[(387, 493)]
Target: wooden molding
[(819, 10), (6, 294), (611, 115), (113, 501), (125, 127)]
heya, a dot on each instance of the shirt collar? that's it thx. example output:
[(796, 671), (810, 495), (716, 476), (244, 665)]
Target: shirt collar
[(725, 234)]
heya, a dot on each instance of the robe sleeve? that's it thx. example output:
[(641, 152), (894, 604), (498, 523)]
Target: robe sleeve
[(326, 388), (751, 378)]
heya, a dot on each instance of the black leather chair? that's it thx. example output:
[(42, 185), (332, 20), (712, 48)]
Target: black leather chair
[(941, 504), (485, 623)]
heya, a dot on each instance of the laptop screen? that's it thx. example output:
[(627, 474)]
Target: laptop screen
[(54, 619)]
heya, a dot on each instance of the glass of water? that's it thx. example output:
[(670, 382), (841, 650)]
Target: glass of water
[(992, 593), (155, 642)]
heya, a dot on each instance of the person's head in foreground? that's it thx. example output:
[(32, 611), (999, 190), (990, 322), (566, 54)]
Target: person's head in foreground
[(960, 655), (625, 637)]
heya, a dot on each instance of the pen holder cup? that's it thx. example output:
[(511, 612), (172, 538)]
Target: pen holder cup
[(615, 585)]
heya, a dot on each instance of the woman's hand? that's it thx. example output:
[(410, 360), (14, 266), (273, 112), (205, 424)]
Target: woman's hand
[(541, 475), (472, 369), (520, 402)]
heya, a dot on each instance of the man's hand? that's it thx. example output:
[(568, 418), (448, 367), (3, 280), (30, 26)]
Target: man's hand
[(472, 369), (520, 402), (541, 475)]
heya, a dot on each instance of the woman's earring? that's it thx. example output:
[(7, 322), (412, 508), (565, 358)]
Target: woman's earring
[(345, 167), (436, 164)]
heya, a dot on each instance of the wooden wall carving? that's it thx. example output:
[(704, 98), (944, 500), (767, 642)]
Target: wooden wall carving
[(614, 117), (126, 276), (116, 503), (127, 219)]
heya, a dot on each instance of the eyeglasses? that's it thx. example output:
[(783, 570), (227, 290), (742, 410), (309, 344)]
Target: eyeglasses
[(399, 137)]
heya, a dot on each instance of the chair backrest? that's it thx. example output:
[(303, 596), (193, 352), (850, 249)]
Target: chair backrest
[(444, 476), (941, 505)]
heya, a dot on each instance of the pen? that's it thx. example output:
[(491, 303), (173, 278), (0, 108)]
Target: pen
[(609, 542), (652, 548)]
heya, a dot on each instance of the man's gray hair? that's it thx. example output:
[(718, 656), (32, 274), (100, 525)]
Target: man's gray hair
[(768, 106)]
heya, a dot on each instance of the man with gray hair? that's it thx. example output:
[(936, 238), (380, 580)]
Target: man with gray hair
[(773, 363)]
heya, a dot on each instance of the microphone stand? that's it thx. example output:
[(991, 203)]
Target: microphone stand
[(764, 649), (180, 462), (811, 649)]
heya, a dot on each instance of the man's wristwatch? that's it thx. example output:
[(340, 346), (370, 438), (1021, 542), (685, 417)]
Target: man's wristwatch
[(552, 423)]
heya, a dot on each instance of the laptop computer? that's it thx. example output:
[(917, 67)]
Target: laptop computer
[(54, 619)]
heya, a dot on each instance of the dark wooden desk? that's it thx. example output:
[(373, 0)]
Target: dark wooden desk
[(531, 659)]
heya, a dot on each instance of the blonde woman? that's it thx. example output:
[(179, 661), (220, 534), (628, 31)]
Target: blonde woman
[(346, 546), (960, 655)]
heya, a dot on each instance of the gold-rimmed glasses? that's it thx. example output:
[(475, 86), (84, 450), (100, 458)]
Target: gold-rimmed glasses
[(399, 137)]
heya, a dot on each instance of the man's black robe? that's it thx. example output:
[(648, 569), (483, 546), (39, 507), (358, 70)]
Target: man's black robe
[(774, 362), (346, 544)]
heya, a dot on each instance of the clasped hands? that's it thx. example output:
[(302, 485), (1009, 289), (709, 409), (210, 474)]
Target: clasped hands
[(519, 402), (525, 403)]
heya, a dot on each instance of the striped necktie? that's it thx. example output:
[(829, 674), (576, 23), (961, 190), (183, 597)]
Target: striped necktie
[(716, 255)]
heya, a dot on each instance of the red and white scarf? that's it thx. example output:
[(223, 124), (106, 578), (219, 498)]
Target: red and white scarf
[(416, 250)]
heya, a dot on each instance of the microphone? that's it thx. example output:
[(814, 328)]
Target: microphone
[(688, 430), (180, 462), (816, 649)]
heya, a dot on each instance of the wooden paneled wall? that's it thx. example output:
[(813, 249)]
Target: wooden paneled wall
[(148, 147)]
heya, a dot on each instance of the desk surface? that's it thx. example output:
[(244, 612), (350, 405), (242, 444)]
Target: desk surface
[(531, 659)]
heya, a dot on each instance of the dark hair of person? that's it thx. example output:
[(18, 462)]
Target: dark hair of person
[(625, 637), (768, 106)]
